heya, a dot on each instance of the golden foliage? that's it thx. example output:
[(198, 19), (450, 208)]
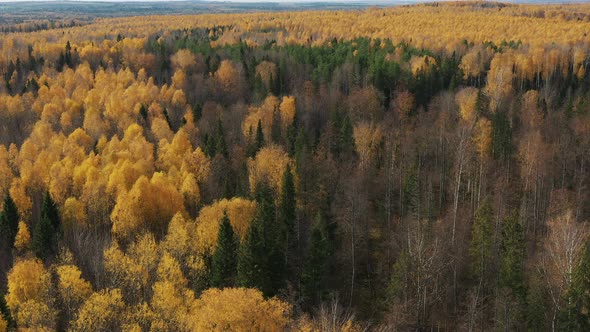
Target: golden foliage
[(5, 171), (239, 309), (22, 240), (421, 64), (150, 203), (288, 110), (72, 289), (229, 77), (483, 137), (124, 272), (169, 271), (240, 213), (74, 213), (269, 166), (102, 311), (467, 100), (267, 70), (184, 60), (500, 76), (173, 306), (532, 115), (264, 113), (28, 297), (36, 316), (3, 324), (367, 138)]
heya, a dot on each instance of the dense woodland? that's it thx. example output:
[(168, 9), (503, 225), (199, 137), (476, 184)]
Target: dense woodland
[(402, 169)]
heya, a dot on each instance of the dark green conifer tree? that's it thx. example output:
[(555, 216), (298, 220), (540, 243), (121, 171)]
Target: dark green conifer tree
[(47, 229), (220, 144), (316, 269), (512, 255), (8, 223), (224, 261), (480, 247), (260, 142)]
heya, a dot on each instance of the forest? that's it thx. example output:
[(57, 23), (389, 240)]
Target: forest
[(409, 168)]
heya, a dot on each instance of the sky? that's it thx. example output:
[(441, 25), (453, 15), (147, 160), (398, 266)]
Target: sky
[(287, 1), (296, 1)]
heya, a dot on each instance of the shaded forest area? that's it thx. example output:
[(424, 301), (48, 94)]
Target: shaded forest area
[(252, 172)]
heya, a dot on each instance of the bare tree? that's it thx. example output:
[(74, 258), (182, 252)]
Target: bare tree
[(563, 248)]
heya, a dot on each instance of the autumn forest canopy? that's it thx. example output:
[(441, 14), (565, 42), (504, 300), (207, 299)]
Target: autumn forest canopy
[(392, 169)]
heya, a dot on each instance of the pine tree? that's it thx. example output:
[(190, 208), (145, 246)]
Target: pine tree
[(224, 262), (316, 269), (8, 223)]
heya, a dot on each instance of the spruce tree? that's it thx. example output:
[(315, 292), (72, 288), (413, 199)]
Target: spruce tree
[(8, 223), (143, 111), (224, 262), (43, 238), (288, 213), (275, 129), (197, 112), (300, 143), (259, 90), (209, 146), (411, 194), (316, 268), (292, 136), (220, 144), (252, 269), (512, 255), (346, 137), (259, 144), (51, 211), (47, 229), (501, 136), (260, 260), (536, 305)]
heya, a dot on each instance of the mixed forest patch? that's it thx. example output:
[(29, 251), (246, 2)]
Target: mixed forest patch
[(404, 168)]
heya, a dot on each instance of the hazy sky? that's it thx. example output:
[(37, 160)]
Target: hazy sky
[(343, 1)]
